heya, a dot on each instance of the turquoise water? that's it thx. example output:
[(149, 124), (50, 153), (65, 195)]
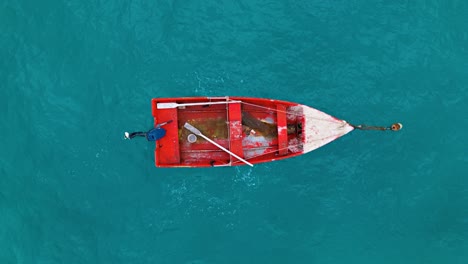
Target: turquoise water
[(76, 74)]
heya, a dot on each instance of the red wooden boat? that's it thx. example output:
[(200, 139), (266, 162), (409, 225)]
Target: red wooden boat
[(231, 131)]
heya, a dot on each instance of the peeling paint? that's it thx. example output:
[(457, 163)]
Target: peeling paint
[(257, 142), (321, 128), (294, 145)]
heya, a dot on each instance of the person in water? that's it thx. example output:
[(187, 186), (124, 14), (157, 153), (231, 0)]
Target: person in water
[(152, 135)]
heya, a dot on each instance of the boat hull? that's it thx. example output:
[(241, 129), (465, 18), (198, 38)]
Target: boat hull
[(254, 129)]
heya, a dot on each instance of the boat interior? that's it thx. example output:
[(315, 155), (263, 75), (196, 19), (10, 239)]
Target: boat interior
[(257, 131)]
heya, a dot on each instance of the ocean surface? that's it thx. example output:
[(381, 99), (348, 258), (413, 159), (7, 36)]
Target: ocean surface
[(74, 75)]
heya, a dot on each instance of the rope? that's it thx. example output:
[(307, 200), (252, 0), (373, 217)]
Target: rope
[(295, 145), (286, 112), (394, 127), (266, 153)]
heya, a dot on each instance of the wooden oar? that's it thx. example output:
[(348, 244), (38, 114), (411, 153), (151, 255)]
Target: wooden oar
[(174, 105), (198, 133)]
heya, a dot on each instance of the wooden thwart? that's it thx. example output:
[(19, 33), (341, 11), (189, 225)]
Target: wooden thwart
[(169, 151), (282, 130), (235, 129)]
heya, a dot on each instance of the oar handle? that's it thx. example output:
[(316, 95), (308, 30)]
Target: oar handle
[(174, 105)]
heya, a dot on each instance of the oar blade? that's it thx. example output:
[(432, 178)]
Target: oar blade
[(167, 105), (192, 129)]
